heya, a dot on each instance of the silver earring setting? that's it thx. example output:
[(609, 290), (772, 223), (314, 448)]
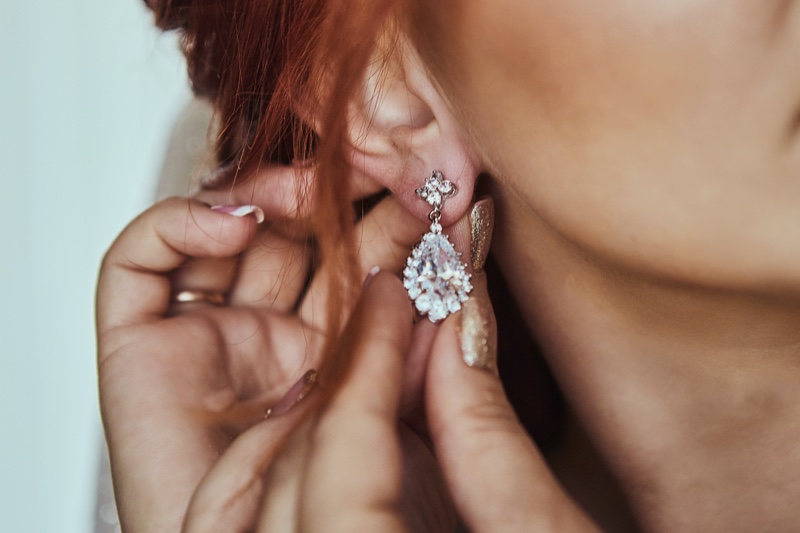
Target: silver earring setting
[(435, 278)]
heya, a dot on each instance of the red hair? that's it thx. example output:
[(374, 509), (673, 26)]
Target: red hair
[(259, 61)]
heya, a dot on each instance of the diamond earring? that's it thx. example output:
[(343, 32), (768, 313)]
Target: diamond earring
[(435, 278)]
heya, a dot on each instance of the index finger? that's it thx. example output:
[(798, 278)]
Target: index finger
[(354, 473), (133, 286)]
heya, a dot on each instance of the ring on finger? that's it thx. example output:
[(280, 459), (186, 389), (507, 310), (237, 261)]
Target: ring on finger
[(198, 295)]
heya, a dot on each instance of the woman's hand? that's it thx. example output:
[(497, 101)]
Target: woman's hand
[(355, 465), (494, 473), (497, 477), (358, 467), (180, 382), (354, 476), (351, 448), (366, 469)]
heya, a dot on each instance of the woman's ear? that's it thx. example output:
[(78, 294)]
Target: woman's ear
[(400, 130)]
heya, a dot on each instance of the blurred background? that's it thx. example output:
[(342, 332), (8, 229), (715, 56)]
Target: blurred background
[(88, 93)]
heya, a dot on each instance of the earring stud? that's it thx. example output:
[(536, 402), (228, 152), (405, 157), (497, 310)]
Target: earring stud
[(435, 277)]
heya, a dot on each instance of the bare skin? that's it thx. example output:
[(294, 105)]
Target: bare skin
[(691, 398), (644, 162), (645, 169)]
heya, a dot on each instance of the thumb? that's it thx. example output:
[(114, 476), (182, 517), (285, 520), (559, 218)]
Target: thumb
[(496, 475)]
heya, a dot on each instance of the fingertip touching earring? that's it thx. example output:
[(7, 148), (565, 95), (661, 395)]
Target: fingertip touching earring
[(435, 278)]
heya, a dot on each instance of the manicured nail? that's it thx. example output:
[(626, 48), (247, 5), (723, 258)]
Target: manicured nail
[(482, 224), (241, 211), (477, 333), (370, 275), (296, 393)]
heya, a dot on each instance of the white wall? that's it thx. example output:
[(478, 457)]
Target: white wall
[(88, 90)]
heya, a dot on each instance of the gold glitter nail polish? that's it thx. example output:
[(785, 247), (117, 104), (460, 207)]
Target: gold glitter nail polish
[(477, 333), (481, 223)]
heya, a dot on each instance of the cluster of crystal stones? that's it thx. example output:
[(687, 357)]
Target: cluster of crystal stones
[(435, 277), (436, 190)]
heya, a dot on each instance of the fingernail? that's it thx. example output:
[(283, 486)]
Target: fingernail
[(482, 224), (241, 211), (296, 393), (477, 333), (370, 275)]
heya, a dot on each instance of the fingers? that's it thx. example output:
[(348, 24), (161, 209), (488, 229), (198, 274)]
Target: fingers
[(497, 477), (280, 191), (353, 481), (230, 496), (383, 237), (133, 286), (283, 484), (271, 274)]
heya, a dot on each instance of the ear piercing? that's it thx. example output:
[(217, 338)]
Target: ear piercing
[(435, 278)]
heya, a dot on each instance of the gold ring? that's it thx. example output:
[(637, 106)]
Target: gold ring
[(195, 295)]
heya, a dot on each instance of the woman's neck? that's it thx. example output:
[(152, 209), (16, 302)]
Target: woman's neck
[(682, 389)]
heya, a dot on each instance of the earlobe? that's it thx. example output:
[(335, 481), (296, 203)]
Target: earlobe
[(401, 130)]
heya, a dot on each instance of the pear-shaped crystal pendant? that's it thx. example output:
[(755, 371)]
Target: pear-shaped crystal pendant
[(435, 278)]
